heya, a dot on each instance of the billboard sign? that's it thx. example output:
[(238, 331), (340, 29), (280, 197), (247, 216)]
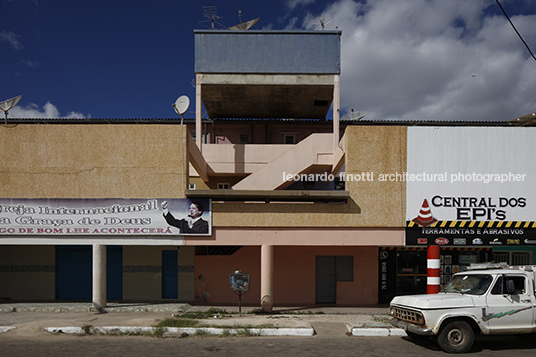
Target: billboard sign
[(475, 187), (105, 217)]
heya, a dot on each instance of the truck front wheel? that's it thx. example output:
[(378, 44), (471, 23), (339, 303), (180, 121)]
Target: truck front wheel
[(456, 337)]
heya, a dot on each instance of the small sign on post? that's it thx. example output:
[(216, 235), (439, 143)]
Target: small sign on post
[(239, 284)]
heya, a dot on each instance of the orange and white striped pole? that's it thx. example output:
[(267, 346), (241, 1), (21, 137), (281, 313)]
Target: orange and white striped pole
[(433, 265)]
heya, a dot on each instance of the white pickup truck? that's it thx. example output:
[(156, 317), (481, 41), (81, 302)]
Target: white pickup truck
[(489, 299)]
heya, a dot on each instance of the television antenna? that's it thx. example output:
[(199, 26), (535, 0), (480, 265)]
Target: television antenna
[(210, 12), (243, 25), (323, 23), (6, 105), (181, 106), (353, 116)]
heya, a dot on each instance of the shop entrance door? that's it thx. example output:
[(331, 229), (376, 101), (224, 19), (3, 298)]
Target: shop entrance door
[(170, 274), (331, 269), (326, 280)]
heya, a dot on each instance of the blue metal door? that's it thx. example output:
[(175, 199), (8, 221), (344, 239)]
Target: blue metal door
[(73, 272), (114, 272), (170, 274)]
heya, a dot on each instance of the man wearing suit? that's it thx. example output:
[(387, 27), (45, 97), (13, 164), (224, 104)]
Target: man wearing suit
[(193, 224)]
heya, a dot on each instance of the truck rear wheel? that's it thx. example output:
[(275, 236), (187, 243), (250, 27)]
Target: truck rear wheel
[(456, 337)]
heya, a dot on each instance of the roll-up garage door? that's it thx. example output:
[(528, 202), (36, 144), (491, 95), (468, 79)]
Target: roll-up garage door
[(114, 272), (74, 272)]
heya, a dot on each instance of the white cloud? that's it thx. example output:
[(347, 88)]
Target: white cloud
[(432, 59), (49, 110), (292, 4), (12, 39), (31, 64)]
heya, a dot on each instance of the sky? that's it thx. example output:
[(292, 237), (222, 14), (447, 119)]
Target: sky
[(400, 59)]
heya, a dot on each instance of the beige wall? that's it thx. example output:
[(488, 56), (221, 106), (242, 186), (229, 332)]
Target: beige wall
[(27, 272), (380, 150), (375, 149), (138, 161), (93, 161)]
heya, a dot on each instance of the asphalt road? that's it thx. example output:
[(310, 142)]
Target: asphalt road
[(66, 345)]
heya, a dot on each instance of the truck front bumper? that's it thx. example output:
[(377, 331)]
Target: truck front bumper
[(411, 328)]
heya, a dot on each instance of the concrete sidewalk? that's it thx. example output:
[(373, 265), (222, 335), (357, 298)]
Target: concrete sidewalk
[(127, 318)]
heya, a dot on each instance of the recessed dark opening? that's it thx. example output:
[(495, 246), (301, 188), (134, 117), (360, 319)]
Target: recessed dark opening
[(321, 103)]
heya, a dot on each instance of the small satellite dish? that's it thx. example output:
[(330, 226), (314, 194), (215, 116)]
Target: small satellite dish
[(243, 25), (6, 105), (353, 116), (181, 106)]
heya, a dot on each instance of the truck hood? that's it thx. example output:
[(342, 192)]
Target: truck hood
[(434, 301)]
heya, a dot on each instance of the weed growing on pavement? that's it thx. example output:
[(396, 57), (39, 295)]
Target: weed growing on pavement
[(92, 330), (212, 312), (177, 322), (380, 318), (159, 332), (285, 312), (88, 329), (245, 332), (202, 333)]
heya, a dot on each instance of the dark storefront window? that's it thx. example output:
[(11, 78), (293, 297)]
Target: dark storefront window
[(411, 272), (403, 271)]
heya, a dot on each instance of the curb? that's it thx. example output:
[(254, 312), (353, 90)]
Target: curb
[(188, 330), (6, 328), (217, 331), (380, 332)]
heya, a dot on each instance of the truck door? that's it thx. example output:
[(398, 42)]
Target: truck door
[(510, 305)]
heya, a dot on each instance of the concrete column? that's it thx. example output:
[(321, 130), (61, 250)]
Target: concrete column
[(99, 277), (198, 112), (336, 110), (433, 265), (267, 277)]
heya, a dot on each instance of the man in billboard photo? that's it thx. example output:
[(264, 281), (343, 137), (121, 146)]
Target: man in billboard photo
[(193, 223)]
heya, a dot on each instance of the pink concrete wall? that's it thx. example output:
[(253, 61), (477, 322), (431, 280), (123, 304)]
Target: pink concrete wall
[(212, 277), (294, 276)]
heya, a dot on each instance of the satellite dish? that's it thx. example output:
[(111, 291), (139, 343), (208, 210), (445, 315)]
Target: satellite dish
[(244, 25), (6, 105), (353, 116), (181, 106)]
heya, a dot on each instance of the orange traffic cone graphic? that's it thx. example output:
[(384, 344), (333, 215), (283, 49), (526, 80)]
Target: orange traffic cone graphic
[(425, 217)]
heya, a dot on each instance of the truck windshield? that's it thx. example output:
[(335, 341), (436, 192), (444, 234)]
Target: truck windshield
[(474, 284)]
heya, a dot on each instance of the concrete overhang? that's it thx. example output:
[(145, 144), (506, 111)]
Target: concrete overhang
[(269, 196), (267, 96)]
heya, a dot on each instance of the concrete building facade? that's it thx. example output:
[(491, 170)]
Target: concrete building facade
[(310, 219)]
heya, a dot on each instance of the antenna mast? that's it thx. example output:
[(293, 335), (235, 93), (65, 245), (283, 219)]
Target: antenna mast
[(210, 13)]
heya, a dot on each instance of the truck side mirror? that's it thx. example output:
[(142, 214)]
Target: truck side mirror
[(510, 287)]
